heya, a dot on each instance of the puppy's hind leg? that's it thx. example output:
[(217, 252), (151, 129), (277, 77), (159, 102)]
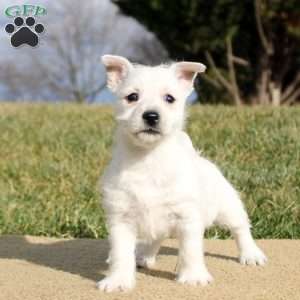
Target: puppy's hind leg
[(250, 253), (234, 217), (146, 253)]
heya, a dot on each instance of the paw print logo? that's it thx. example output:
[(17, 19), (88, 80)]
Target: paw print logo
[(24, 33)]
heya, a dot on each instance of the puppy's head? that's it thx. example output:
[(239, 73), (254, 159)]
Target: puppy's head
[(151, 99)]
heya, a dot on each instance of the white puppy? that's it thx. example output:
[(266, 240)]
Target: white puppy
[(157, 185)]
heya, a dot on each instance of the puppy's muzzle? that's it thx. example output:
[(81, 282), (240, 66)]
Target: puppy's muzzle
[(151, 118)]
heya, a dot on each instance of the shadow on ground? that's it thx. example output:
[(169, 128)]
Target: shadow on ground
[(84, 257)]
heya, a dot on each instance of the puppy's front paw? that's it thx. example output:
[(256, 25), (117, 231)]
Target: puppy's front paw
[(115, 283), (195, 277), (253, 256)]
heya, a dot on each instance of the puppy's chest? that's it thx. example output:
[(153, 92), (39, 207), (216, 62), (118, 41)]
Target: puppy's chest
[(153, 219), (154, 192), (150, 194), (150, 186), (153, 203)]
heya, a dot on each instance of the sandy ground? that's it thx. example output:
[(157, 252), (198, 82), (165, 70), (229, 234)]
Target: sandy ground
[(42, 268)]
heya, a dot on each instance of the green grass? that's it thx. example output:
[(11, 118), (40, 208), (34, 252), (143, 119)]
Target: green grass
[(51, 158)]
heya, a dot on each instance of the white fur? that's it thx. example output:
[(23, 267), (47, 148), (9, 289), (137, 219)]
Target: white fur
[(157, 186)]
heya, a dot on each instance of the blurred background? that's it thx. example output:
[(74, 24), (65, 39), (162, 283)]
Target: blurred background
[(251, 48)]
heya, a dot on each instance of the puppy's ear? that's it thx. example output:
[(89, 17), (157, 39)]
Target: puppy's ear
[(186, 73), (117, 68)]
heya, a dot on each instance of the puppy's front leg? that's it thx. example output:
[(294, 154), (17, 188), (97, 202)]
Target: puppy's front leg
[(121, 275), (191, 265)]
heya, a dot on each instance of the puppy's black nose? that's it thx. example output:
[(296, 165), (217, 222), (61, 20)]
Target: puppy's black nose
[(151, 118)]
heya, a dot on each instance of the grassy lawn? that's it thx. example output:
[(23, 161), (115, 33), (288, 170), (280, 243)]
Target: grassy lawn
[(51, 158)]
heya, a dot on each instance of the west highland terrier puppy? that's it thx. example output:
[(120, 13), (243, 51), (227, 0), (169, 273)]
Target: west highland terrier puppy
[(157, 185)]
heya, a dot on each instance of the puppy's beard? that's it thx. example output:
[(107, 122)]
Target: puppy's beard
[(144, 137), (139, 134), (149, 136)]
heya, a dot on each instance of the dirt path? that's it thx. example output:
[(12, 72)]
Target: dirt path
[(42, 268)]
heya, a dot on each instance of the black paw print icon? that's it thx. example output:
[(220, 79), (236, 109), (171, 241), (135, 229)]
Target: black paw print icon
[(24, 33)]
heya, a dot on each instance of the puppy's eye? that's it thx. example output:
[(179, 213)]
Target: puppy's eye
[(169, 98), (133, 97)]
